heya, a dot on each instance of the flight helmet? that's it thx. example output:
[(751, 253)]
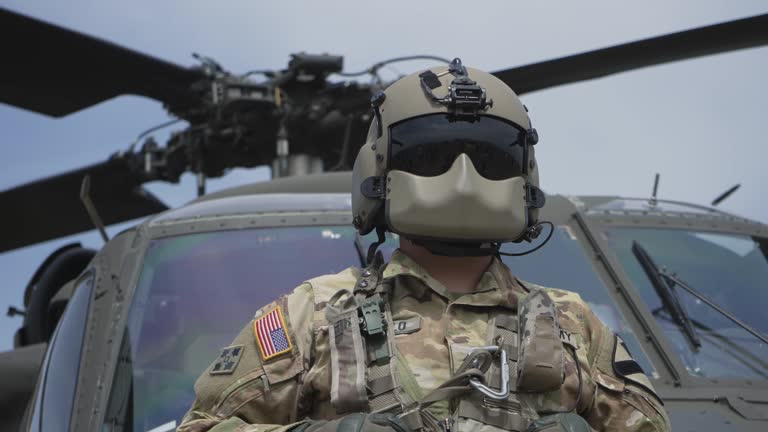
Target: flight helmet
[(449, 163)]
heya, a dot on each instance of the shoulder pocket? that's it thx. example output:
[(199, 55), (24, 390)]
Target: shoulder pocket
[(242, 391)]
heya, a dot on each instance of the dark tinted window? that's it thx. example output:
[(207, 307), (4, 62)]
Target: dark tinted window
[(194, 295), (62, 364)]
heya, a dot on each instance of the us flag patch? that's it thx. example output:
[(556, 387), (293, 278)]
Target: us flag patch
[(272, 334)]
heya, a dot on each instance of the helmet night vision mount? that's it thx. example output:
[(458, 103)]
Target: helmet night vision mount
[(465, 99)]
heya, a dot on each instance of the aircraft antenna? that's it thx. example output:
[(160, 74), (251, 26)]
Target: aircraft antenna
[(723, 196), (200, 184), (653, 201), (85, 197)]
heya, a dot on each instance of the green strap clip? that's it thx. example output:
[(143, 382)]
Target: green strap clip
[(374, 328), (373, 322)]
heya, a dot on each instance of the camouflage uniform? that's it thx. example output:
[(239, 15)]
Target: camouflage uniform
[(253, 394)]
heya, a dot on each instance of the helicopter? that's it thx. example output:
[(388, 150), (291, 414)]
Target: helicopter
[(115, 338)]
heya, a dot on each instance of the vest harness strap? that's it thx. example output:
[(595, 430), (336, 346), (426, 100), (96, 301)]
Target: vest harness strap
[(364, 371), (348, 360), (364, 362)]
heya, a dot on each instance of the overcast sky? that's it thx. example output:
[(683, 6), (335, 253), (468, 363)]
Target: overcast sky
[(699, 122)]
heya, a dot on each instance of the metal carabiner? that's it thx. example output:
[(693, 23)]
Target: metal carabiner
[(503, 393)]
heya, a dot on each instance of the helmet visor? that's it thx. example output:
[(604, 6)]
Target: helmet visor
[(427, 146)]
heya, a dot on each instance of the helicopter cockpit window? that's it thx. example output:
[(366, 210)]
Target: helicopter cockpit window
[(53, 408), (731, 270), (195, 293)]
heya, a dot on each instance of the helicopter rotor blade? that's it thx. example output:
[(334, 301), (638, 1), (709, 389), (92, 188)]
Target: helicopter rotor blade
[(55, 71), (51, 208), (714, 39)]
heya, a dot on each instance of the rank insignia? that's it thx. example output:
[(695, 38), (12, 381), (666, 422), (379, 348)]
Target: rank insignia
[(272, 334), (227, 361)]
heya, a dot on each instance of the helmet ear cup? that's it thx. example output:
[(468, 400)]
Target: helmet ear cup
[(367, 165), (535, 197), (532, 229)]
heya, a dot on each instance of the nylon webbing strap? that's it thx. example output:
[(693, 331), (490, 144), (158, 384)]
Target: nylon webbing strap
[(540, 353), (348, 390), (500, 417), (419, 420), (506, 414), (455, 386), (384, 388), (504, 335), (377, 386)]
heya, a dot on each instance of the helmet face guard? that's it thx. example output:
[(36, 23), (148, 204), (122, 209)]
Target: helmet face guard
[(460, 205)]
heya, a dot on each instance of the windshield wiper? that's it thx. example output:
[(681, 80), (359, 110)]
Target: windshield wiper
[(669, 280), (675, 280), (744, 356), (666, 293)]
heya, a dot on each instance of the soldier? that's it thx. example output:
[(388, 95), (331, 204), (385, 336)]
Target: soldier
[(442, 337)]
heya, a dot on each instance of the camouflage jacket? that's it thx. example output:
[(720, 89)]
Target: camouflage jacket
[(253, 387)]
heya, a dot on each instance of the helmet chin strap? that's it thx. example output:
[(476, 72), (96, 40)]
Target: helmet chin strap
[(450, 249), (454, 249), (373, 252)]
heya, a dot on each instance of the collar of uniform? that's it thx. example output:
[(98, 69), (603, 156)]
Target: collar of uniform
[(510, 289), (401, 264), (497, 286)]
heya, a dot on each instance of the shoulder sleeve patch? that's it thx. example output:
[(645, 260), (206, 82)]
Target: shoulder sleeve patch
[(271, 334), (626, 367), (227, 361)]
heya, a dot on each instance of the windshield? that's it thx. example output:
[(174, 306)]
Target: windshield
[(195, 294), (731, 270)]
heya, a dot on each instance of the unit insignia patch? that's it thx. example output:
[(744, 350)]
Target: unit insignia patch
[(626, 367), (227, 361)]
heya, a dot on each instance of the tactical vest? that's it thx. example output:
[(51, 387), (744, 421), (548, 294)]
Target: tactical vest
[(491, 390)]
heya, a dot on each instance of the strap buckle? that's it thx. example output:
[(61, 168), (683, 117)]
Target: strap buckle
[(373, 326), (373, 320), (502, 393)]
